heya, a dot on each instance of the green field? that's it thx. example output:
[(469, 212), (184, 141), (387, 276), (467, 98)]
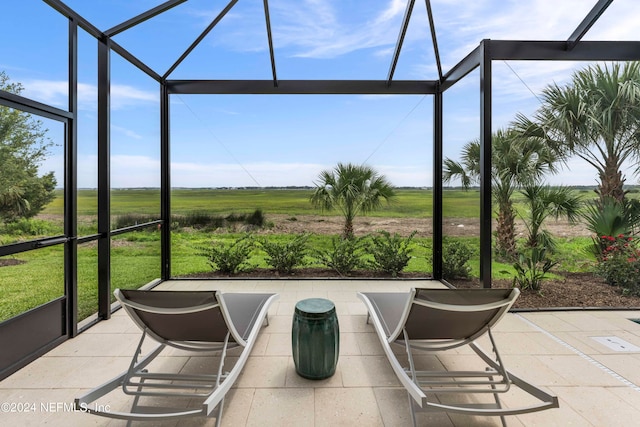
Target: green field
[(136, 255), (412, 203)]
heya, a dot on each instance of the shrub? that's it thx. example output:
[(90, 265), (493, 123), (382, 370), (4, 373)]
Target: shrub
[(344, 255), (391, 254), (127, 220), (620, 263), (207, 221), (229, 258), (256, 218), (455, 257), (611, 218), (531, 269), (32, 227), (285, 256)]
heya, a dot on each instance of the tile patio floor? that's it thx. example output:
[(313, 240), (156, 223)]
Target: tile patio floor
[(597, 386)]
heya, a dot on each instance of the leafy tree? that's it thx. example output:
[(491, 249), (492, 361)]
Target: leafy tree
[(23, 146), (596, 116), (515, 161), (353, 189)]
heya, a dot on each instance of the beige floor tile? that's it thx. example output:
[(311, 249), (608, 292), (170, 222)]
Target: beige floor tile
[(627, 394), (356, 308), (367, 371), (280, 324), (535, 370), (295, 380), (513, 323), (394, 407), (279, 345), (598, 405), (354, 324), (282, 407), (549, 322), (346, 407), (557, 417), (580, 340), (625, 365), (586, 321), (286, 308), (121, 324), (310, 293), (369, 344), (342, 296), (577, 371), (621, 319), (474, 420), (89, 345), (349, 344), (264, 371), (527, 343), (98, 370), (237, 406)]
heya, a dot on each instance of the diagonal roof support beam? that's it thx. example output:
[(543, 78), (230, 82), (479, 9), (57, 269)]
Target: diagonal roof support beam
[(135, 61), (143, 17), (270, 37), (587, 22), (432, 26), (200, 38), (403, 32), (71, 14)]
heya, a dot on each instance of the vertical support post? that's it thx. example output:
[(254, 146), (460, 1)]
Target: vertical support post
[(104, 178), (437, 183), (485, 164), (71, 188), (165, 182)]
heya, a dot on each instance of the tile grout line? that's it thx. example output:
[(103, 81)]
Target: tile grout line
[(581, 354)]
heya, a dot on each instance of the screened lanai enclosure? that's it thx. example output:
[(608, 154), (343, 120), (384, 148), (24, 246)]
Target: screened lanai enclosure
[(99, 59)]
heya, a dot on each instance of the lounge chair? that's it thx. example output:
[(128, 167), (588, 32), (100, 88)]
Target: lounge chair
[(196, 321), (435, 320)]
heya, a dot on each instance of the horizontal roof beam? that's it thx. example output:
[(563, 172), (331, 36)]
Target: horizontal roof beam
[(556, 50), (302, 87), (28, 105)]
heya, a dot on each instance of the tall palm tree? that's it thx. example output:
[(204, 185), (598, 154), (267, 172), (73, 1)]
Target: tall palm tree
[(353, 189), (515, 161), (596, 116), (543, 201)]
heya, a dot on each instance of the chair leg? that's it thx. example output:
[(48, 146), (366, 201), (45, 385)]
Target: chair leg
[(498, 403)]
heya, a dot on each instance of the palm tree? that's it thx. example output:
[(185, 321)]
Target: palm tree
[(544, 201), (515, 161), (12, 203), (596, 117), (353, 189)]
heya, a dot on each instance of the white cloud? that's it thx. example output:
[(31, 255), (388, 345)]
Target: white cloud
[(126, 132), (314, 29), (55, 93)]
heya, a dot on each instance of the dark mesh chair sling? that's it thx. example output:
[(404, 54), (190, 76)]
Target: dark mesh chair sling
[(431, 321), (194, 321)]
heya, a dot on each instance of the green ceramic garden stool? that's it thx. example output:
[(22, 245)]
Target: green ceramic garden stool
[(315, 337)]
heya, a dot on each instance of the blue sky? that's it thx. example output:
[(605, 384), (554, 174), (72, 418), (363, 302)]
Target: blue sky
[(287, 140)]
